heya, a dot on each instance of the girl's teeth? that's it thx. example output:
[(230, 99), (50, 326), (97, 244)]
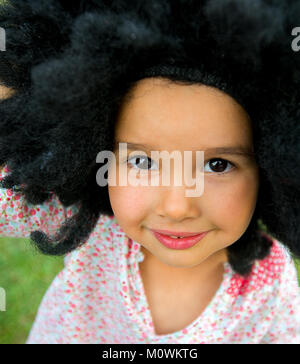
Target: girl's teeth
[(173, 236)]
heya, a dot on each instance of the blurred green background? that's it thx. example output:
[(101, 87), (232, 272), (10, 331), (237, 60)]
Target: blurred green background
[(25, 276)]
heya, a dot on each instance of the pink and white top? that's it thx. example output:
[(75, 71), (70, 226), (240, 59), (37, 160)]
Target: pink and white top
[(99, 296)]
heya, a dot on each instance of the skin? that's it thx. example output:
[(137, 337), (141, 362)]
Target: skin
[(5, 92), (171, 117)]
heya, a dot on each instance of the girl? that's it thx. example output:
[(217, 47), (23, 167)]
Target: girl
[(218, 77)]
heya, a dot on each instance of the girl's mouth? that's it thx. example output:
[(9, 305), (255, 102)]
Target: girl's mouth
[(179, 243)]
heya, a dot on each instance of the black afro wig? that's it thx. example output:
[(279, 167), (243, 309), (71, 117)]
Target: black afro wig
[(72, 64)]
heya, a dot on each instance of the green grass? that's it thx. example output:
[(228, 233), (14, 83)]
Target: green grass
[(25, 276), (297, 264)]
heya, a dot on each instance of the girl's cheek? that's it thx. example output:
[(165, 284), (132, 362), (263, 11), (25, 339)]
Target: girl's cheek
[(129, 203), (230, 203)]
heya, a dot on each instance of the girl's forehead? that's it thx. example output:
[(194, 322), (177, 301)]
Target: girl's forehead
[(182, 114)]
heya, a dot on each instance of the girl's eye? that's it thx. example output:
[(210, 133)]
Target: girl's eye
[(143, 162), (218, 165), (215, 165)]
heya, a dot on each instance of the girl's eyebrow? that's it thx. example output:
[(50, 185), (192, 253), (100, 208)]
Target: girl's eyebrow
[(233, 150), (238, 150)]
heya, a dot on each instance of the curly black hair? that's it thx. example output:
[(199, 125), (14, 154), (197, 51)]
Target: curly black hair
[(72, 65)]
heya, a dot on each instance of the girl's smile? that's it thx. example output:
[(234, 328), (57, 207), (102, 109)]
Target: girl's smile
[(178, 242), (161, 115)]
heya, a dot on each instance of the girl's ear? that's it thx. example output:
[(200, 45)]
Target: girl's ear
[(5, 92)]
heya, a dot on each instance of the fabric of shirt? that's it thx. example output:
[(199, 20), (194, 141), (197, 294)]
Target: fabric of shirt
[(99, 296)]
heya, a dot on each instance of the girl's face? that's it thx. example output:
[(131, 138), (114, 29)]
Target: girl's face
[(164, 116)]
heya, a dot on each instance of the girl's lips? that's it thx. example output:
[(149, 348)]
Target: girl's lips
[(176, 233), (178, 243)]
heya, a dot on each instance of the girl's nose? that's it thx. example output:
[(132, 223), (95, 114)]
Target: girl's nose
[(174, 204)]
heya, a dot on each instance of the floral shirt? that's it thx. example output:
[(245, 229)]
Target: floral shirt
[(99, 296)]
